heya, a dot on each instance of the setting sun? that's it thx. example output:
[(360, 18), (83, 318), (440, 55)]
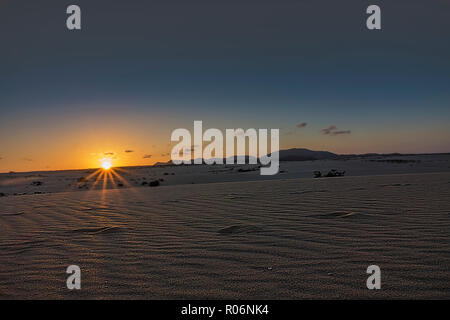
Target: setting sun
[(106, 164)]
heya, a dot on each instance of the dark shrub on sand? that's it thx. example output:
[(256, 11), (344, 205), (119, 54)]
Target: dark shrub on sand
[(335, 173), (247, 169), (154, 183), (331, 173)]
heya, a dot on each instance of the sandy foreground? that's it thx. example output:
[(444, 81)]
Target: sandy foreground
[(292, 237)]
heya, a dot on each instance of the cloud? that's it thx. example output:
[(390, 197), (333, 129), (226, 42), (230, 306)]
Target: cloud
[(1, 158), (192, 149), (165, 154), (129, 151), (333, 130), (328, 130), (147, 156), (108, 153), (298, 126), (335, 133), (27, 159)]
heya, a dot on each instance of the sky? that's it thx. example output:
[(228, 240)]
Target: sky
[(140, 69)]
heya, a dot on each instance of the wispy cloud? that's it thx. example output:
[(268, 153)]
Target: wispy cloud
[(27, 159), (108, 153), (192, 149), (299, 125), (328, 130), (333, 130), (147, 156), (335, 133), (129, 151)]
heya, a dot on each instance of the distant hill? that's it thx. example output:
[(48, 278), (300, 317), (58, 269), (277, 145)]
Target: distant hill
[(295, 154), (301, 154)]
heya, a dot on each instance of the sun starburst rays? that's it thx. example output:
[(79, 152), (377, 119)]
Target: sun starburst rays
[(105, 179)]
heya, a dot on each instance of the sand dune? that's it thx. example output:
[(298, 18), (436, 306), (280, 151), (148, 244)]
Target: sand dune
[(273, 239)]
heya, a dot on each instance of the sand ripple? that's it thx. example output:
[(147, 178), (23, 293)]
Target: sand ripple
[(299, 238)]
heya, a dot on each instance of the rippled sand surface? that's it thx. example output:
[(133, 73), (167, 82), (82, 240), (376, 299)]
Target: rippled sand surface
[(280, 239)]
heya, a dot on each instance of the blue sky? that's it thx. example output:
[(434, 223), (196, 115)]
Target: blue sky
[(270, 64)]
